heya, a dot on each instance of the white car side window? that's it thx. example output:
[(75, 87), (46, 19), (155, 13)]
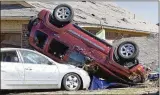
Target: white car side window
[(33, 58), (9, 56)]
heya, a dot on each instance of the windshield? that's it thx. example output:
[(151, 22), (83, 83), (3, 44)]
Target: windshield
[(77, 59)]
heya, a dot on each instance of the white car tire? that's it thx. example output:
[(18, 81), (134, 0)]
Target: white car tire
[(71, 82)]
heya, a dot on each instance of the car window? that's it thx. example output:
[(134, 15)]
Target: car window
[(9, 56), (57, 49), (40, 39), (33, 58), (76, 58)]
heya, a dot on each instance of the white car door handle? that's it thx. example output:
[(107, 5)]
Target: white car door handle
[(28, 69)]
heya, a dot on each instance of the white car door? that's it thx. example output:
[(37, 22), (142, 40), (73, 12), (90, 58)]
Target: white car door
[(39, 71), (12, 71)]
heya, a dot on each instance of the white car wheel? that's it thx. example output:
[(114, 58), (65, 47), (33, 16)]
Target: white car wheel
[(71, 82)]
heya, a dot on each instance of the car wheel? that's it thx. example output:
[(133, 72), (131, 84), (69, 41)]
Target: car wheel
[(71, 82), (62, 14), (127, 51), (32, 22)]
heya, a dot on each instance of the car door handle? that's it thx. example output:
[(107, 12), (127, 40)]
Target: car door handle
[(28, 69)]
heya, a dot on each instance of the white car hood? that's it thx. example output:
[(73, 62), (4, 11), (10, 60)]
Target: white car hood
[(67, 66)]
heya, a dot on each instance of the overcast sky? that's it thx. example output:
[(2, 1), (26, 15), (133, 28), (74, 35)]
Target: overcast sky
[(148, 10)]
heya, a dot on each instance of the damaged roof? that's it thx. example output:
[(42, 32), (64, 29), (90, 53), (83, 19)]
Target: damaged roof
[(91, 13), (17, 10), (24, 12)]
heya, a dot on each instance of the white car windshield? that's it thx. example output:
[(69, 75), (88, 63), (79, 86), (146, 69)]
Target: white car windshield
[(34, 58)]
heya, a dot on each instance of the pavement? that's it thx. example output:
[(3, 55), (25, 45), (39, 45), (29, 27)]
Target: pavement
[(116, 91), (148, 87)]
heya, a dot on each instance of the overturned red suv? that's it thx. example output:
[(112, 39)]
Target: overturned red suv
[(55, 35)]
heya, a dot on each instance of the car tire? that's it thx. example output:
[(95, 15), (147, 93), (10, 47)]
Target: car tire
[(127, 51), (62, 15), (71, 82), (33, 21)]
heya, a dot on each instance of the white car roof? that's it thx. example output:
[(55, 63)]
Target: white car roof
[(8, 49)]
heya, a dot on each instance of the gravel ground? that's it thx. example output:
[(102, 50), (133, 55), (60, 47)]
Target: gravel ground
[(143, 89), (126, 91), (148, 47)]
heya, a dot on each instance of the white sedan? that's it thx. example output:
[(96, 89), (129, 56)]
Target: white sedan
[(28, 69)]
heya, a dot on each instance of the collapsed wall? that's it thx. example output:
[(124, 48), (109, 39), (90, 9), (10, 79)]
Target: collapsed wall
[(148, 47)]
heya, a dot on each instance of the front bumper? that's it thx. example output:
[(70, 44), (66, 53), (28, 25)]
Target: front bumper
[(85, 79)]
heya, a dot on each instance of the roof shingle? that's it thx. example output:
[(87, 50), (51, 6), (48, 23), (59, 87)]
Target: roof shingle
[(91, 13)]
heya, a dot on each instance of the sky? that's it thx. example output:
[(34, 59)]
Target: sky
[(147, 10)]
